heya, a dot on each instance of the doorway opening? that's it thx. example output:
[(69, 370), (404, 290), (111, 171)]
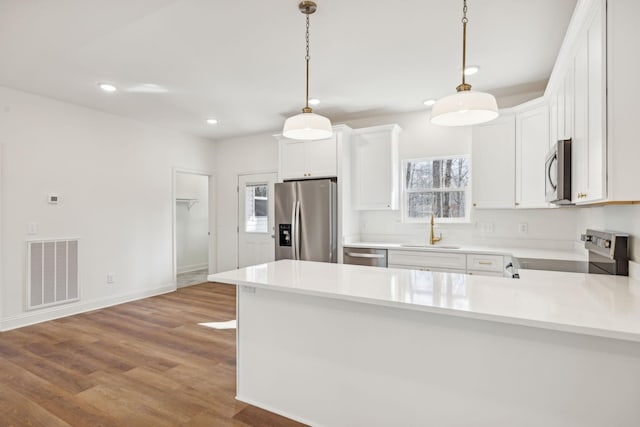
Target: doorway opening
[(193, 245)]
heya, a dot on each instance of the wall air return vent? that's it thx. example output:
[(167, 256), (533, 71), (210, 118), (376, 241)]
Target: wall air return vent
[(52, 272)]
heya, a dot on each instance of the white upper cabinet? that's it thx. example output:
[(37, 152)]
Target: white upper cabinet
[(623, 61), (596, 70), (532, 146), (493, 155), (308, 159), (561, 110), (375, 167), (588, 179)]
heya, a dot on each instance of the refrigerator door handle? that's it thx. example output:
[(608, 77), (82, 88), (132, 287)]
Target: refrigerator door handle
[(294, 233), (297, 235)]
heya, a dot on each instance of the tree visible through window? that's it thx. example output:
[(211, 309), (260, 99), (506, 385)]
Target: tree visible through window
[(256, 205), (439, 186)]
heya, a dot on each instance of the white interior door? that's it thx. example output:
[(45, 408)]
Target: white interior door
[(255, 219)]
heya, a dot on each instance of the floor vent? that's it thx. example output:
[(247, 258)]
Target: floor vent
[(52, 272)]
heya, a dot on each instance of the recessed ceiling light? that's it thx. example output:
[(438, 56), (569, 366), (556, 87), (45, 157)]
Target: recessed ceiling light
[(314, 101), (429, 102), (212, 121), (471, 70), (107, 87)]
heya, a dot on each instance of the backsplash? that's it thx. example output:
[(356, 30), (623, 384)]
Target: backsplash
[(545, 228)]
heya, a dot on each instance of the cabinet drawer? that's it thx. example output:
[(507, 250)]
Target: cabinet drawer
[(485, 263), (428, 259), (485, 273), (432, 269)]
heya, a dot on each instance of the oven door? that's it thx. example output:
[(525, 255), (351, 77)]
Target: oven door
[(551, 176)]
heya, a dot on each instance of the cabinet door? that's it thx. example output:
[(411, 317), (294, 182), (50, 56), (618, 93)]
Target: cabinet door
[(588, 151), (375, 156), (493, 147), (532, 145), (308, 159), (320, 158), (567, 116), (554, 119), (596, 175), (292, 159), (420, 259)]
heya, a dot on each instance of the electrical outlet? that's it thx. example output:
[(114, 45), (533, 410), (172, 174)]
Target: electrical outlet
[(523, 228), (111, 278), (485, 227)]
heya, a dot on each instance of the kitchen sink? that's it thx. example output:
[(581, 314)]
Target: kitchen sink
[(424, 246)]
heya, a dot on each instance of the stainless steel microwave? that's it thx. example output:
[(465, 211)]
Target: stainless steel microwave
[(558, 173)]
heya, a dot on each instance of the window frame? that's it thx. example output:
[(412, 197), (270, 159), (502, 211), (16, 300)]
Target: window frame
[(467, 192), (254, 218)]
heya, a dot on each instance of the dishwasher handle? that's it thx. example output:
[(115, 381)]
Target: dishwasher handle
[(360, 255)]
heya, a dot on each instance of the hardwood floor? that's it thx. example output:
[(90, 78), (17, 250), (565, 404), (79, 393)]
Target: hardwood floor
[(144, 363)]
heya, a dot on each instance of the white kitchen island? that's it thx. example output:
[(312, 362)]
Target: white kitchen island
[(344, 345)]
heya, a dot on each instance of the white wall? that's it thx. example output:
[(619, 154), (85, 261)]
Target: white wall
[(114, 177), (236, 156), (192, 223)]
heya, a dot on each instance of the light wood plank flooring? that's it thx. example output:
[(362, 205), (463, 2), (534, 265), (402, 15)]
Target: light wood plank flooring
[(144, 363)]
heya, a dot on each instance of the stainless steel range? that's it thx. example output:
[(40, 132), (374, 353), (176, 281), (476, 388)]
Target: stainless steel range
[(608, 252)]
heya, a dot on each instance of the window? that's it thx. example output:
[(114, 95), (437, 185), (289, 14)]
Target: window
[(438, 185), (256, 205)]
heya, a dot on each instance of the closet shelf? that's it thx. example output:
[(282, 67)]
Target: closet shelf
[(188, 202)]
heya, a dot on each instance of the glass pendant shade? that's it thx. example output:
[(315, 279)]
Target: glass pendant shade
[(307, 127), (464, 108)]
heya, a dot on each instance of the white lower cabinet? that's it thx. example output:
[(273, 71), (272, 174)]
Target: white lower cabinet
[(433, 269), (445, 261), (487, 263), (478, 264)]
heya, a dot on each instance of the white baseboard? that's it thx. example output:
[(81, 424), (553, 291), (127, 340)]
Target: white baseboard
[(33, 317), (276, 411), (634, 270), (192, 267)]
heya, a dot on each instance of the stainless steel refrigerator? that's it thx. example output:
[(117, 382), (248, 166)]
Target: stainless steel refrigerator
[(306, 220)]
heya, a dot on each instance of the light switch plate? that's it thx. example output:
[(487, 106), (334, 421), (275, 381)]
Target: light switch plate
[(32, 228)]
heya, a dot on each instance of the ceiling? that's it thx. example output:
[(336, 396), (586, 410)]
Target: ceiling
[(178, 62)]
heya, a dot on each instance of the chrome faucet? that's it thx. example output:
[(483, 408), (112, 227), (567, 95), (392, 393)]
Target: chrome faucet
[(432, 237)]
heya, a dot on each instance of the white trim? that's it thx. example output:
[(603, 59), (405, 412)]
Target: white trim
[(277, 411), (634, 270), (192, 267), (467, 190), (2, 283), (32, 317)]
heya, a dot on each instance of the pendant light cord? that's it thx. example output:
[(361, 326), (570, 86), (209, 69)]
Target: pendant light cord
[(464, 85), (307, 58), (464, 39)]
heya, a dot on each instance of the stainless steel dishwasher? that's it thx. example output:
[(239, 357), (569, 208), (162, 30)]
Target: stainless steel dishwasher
[(365, 256)]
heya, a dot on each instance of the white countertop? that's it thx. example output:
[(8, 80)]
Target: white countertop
[(607, 306), (552, 254)]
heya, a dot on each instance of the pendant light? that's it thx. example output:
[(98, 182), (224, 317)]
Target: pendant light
[(308, 125), (466, 107)]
